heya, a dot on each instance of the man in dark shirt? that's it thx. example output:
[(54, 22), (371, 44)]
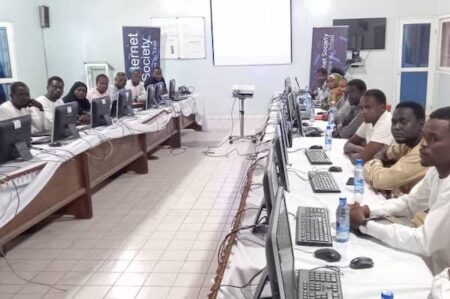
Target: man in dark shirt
[(156, 78)]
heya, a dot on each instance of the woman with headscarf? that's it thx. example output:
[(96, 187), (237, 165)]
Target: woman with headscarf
[(78, 94), (333, 81)]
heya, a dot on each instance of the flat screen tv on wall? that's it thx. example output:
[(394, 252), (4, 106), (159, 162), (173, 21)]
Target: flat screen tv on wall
[(364, 34)]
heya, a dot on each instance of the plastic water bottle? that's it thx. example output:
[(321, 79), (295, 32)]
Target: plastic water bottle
[(331, 118), (387, 295), (328, 138), (359, 179), (342, 221)]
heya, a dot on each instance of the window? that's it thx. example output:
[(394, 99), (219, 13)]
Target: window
[(7, 65), (444, 44)]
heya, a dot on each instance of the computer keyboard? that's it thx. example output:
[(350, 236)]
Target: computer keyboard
[(315, 284), (313, 227), (317, 157), (323, 182)]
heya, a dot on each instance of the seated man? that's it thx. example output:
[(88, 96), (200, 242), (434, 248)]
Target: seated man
[(55, 89), (119, 85), (101, 88), (137, 86), (348, 118), (375, 132), (20, 104), (432, 240), (406, 171), (321, 77), (155, 78)]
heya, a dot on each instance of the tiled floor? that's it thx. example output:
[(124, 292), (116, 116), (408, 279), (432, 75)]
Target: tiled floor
[(152, 236)]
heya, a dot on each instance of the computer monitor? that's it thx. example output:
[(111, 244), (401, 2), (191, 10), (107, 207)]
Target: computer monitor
[(286, 130), (124, 104), (271, 185), (150, 103), (279, 253), (15, 139), (159, 91), (65, 123), (298, 117), (290, 108), (172, 89), (101, 112), (280, 158), (287, 86)]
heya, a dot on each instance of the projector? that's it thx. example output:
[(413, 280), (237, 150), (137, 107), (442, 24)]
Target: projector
[(243, 91)]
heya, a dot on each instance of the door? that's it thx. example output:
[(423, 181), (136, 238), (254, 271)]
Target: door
[(417, 61)]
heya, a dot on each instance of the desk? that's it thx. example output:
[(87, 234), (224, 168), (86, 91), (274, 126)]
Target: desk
[(405, 274), (64, 178)]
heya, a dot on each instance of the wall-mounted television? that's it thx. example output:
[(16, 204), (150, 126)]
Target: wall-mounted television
[(365, 34)]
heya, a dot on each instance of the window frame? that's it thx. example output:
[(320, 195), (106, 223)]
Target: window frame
[(441, 21), (11, 48)]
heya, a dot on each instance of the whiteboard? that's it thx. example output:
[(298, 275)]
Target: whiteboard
[(182, 37), (251, 32)]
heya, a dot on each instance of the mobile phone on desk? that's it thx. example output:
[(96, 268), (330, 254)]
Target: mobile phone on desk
[(351, 181)]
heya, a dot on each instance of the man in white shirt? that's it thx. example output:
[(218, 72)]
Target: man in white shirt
[(441, 286), (20, 104), (137, 87), (101, 89), (431, 240), (375, 132), (119, 85), (55, 89)]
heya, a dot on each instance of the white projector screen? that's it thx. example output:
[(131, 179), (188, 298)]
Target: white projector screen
[(251, 32)]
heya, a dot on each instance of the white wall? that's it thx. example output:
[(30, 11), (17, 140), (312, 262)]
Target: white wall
[(442, 81), (24, 16), (86, 30)]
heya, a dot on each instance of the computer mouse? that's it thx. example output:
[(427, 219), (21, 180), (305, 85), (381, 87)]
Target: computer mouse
[(305, 124), (327, 254), (335, 169), (361, 263), (316, 147)]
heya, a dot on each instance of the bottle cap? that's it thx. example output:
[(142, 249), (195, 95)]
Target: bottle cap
[(342, 201), (387, 295), (328, 127), (359, 162)]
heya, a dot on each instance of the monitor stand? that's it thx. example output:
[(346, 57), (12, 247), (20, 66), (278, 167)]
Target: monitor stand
[(263, 290), (73, 130), (260, 228), (130, 111), (108, 119), (23, 150), (233, 138)]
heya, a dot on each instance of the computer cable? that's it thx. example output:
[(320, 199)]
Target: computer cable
[(249, 283), (299, 176), (296, 150), (300, 249), (293, 215), (10, 201), (208, 150), (31, 281)]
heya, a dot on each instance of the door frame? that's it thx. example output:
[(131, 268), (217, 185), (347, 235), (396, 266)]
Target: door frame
[(432, 58)]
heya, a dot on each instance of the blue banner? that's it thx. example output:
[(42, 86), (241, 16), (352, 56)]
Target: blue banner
[(141, 47), (329, 49)]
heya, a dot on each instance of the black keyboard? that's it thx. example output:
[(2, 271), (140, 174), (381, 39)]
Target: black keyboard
[(323, 182), (313, 227), (314, 284), (317, 157)]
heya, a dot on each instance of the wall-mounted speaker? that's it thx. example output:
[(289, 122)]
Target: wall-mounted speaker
[(44, 16)]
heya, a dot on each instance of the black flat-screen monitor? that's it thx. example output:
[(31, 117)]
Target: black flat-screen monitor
[(15, 139), (160, 89), (65, 123), (271, 183), (150, 103), (279, 252), (280, 158), (365, 34), (101, 112), (124, 104), (172, 89)]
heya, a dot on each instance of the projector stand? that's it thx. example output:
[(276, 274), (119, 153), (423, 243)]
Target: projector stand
[(233, 138)]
